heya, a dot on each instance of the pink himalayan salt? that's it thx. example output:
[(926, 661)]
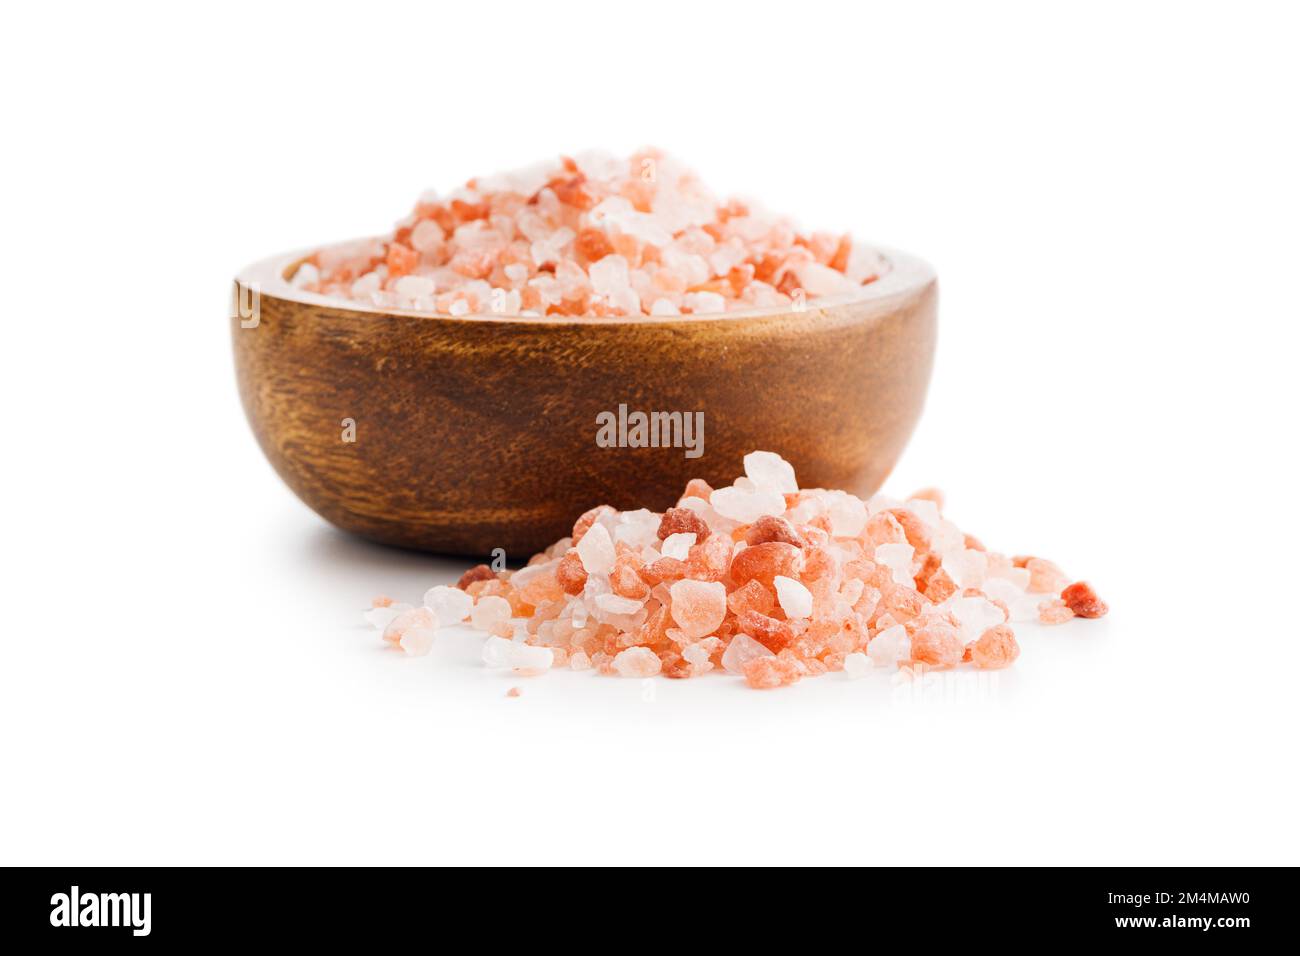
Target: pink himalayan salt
[(637, 662), (996, 648), (591, 235), (1054, 612), (718, 610), (514, 692), (698, 607)]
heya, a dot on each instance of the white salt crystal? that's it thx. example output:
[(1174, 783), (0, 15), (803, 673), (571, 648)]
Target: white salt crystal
[(967, 567), (609, 275), (946, 538), (366, 286), (639, 529), (746, 506), (975, 615), (381, 617), (449, 605), (847, 514), (489, 610), (898, 558), (700, 303), (414, 617), (663, 307), (817, 279), (596, 550), (617, 604), (678, 545), (857, 665), (306, 274), (740, 651), (518, 656), (925, 509), (770, 471), (414, 287), (417, 641), (890, 646), (795, 599), (427, 236)]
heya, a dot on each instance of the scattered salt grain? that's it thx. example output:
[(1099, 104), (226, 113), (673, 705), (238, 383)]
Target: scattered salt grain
[(449, 605), (488, 611)]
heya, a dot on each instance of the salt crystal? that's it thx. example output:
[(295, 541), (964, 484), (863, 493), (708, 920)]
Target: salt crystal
[(770, 472), (740, 652), (498, 652), (399, 625), (596, 550), (414, 287), (857, 665), (698, 607), (637, 662), (700, 303), (678, 545), (381, 617), (795, 599), (488, 611), (746, 506), (847, 514), (966, 567), (417, 641), (898, 558), (890, 646), (449, 605), (305, 275), (613, 604), (975, 615)]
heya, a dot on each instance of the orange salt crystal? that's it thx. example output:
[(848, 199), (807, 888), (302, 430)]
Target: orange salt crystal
[(937, 646), (682, 521), (1054, 612), (401, 260), (513, 692), (773, 634), (765, 561), (772, 528), (752, 596), (995, 648), (664, 570), (697, 488), (586, 520), (763, 673), (708, 560), (381, 600), (1045, 577), (592, 245), (917, 535), (1083, 601), (480, 572), (570, 573), (625, 579)]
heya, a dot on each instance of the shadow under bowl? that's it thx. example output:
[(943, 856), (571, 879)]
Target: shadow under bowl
[(461, 435)]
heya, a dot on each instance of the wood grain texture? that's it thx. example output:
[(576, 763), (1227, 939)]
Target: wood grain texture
[(479, 433)]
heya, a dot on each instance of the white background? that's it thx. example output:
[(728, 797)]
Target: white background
[(1110, 197)]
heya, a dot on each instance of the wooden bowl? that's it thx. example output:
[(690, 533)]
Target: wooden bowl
[(475, 433)]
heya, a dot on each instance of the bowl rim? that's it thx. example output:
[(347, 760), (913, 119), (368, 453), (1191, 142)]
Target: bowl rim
[(907, 275)]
